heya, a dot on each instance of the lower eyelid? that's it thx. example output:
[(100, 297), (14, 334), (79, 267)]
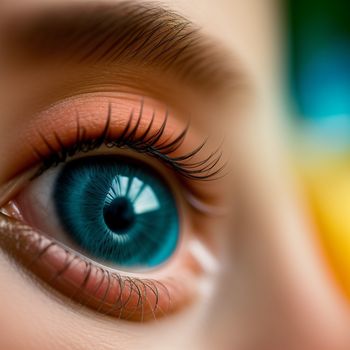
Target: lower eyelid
[(125, 297)]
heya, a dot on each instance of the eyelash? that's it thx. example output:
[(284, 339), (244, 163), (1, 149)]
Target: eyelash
[(150, 298), (206, 169), (113, 294)]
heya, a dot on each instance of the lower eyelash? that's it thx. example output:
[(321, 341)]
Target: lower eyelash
[(97, 287), (148, 143)]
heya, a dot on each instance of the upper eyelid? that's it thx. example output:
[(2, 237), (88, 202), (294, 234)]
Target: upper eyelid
[(145, 34), (204, 169), (61, 116)]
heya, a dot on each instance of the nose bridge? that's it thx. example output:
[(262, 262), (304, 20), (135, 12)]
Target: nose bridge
[(276, 291)]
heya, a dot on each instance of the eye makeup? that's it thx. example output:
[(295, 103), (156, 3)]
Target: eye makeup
[(110, 130), (147, 142), (125, 121)]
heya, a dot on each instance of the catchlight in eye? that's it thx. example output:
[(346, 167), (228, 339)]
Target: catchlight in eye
[(117, 210)]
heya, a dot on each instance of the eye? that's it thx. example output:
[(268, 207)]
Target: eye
[(113, 210)]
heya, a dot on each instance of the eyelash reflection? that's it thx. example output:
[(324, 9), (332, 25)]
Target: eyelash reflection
[(148, 143)]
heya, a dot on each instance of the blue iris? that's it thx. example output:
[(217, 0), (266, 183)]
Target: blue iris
[(117, 210)]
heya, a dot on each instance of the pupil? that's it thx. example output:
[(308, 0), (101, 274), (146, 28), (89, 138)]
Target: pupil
[(119, 214)]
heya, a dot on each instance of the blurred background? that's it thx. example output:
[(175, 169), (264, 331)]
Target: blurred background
[(319, 94)]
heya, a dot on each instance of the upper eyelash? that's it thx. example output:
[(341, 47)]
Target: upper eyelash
[(206, 169)]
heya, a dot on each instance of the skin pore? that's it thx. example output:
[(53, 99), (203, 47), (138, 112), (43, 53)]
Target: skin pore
[(249, 253)]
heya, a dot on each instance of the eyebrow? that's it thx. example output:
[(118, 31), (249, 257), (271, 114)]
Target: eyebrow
[(126, 32)]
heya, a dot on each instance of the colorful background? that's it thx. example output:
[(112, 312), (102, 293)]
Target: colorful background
[(319, 85)]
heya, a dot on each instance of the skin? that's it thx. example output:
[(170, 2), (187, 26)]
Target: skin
[(273, 289)]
